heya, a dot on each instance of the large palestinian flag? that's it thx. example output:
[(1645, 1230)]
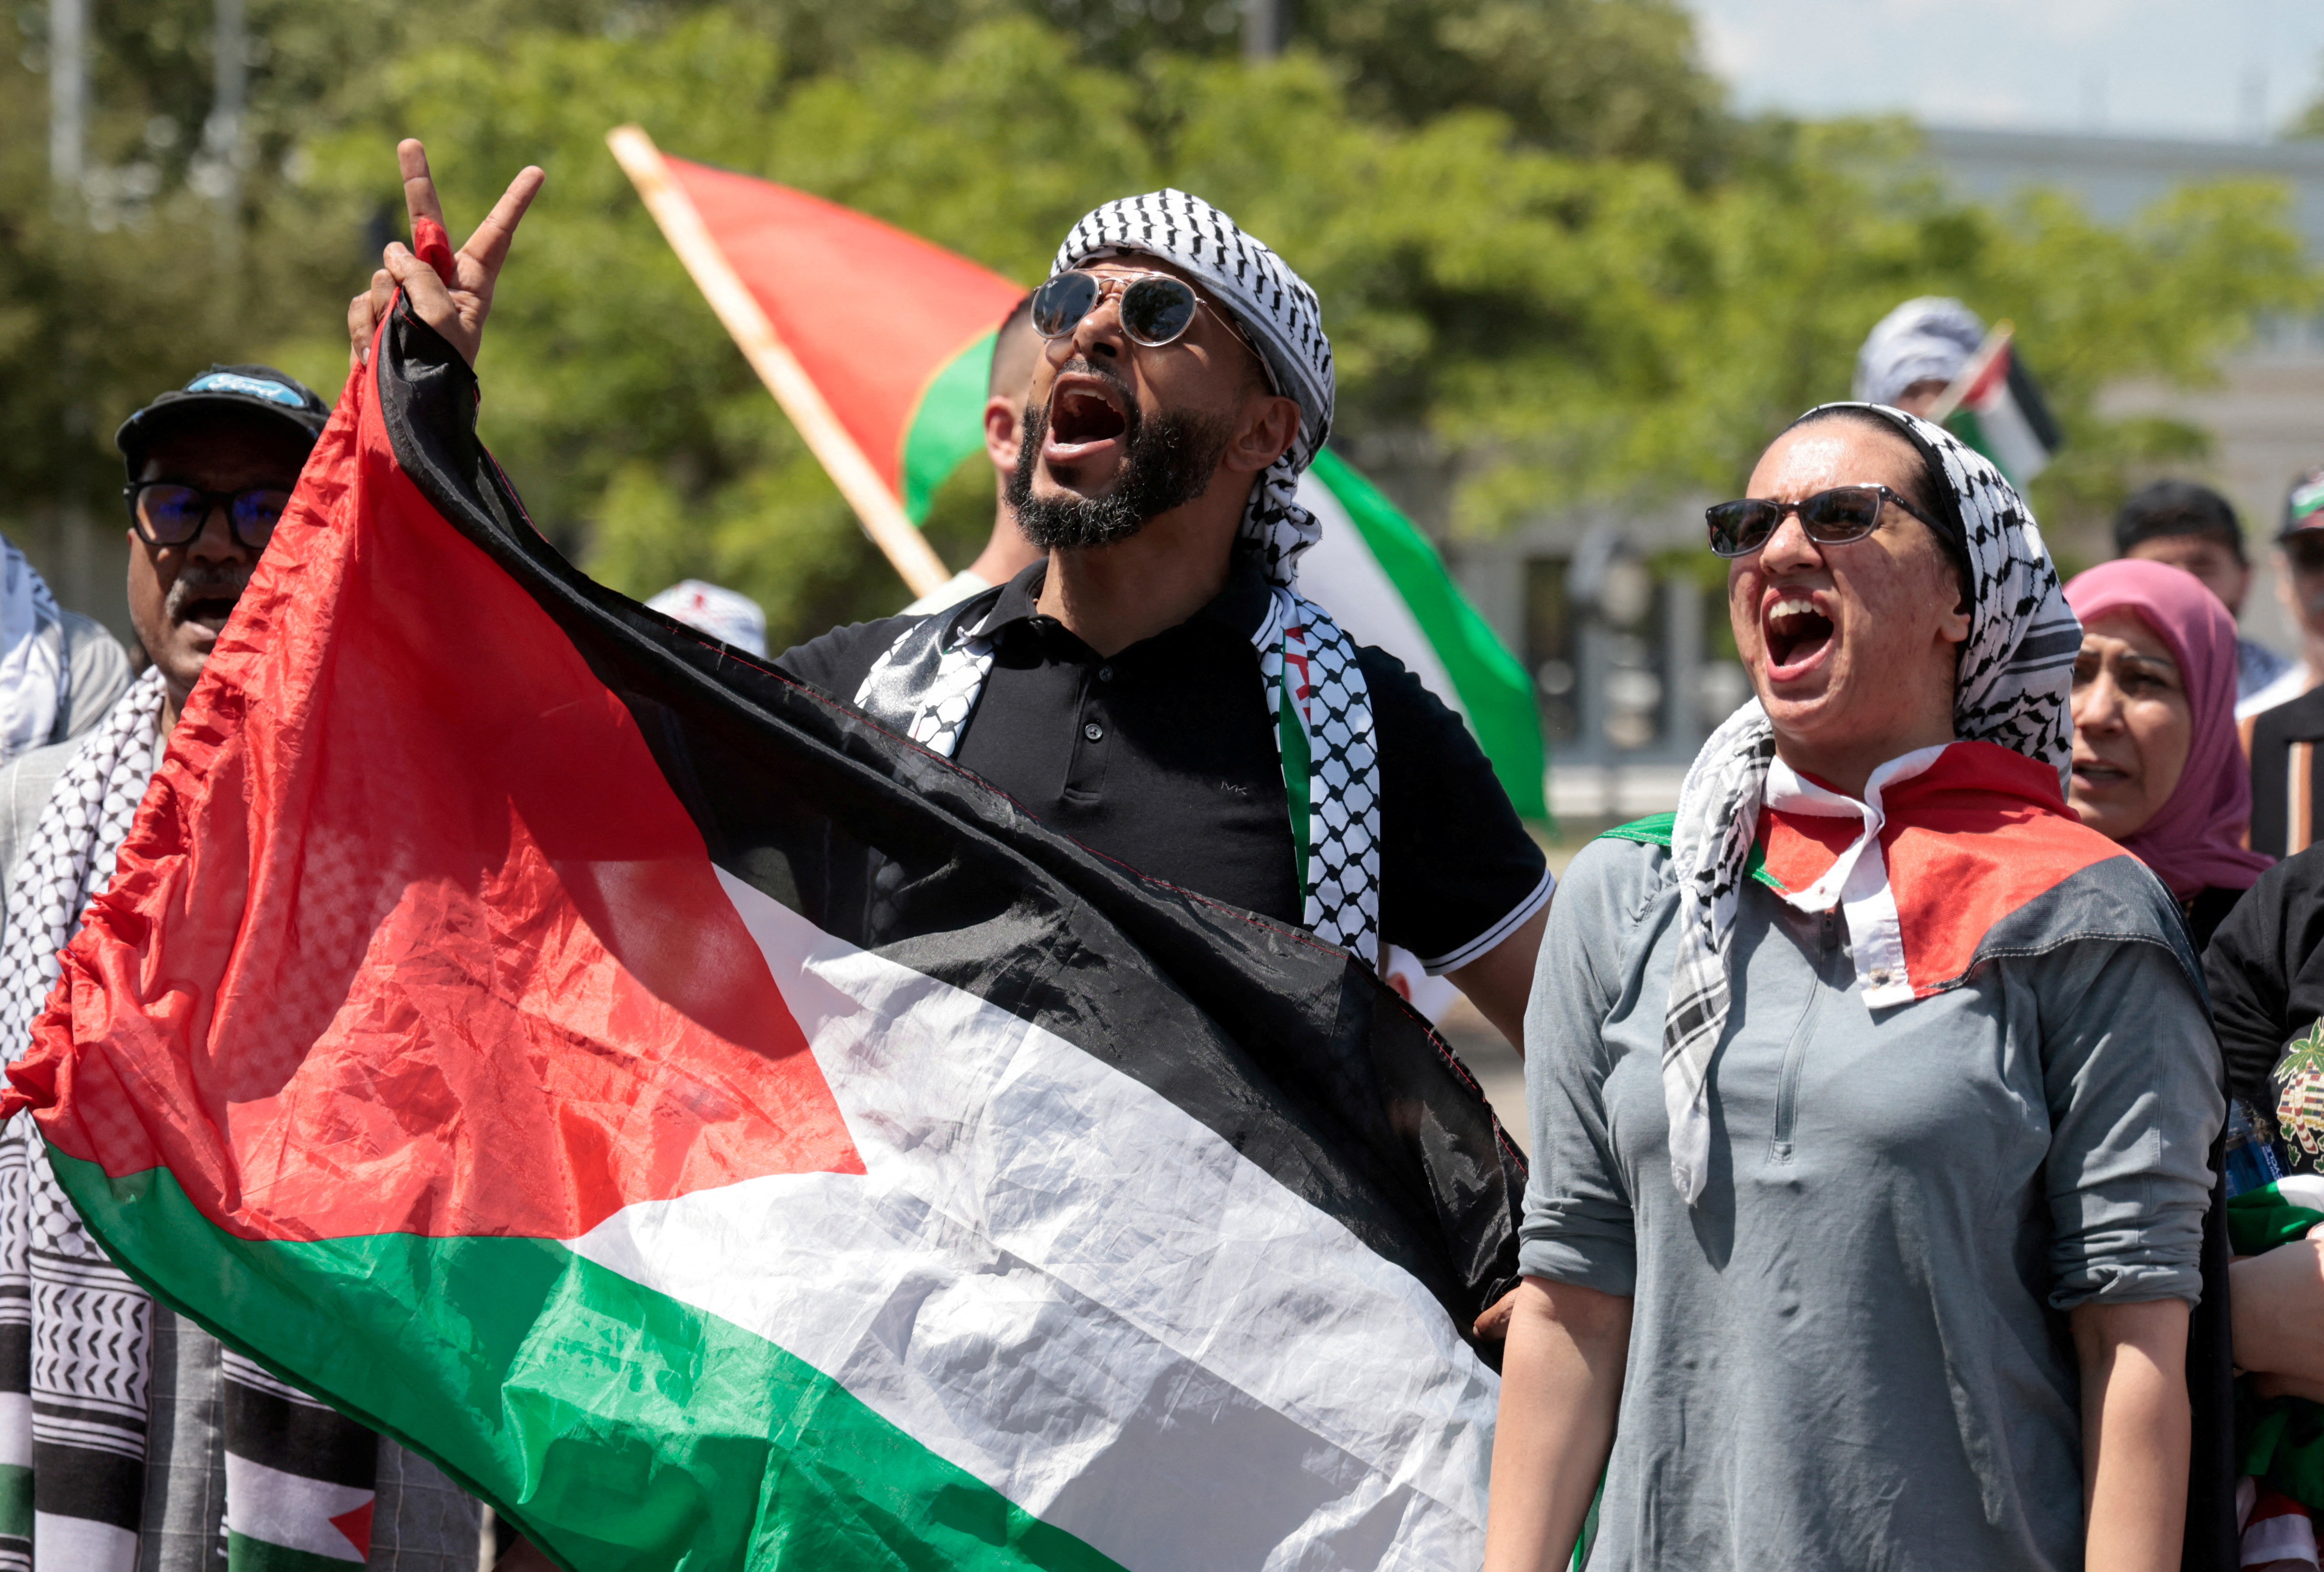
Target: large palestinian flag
[(720, 1132), (897, 335)]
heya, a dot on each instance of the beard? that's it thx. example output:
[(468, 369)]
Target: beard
[(1169, 458)]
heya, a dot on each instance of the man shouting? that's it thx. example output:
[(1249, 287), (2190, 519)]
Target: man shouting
[(1155, 687)]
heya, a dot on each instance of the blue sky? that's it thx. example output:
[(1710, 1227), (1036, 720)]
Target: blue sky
[(2168, 68)]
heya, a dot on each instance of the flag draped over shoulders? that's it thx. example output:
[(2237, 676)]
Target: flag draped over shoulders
[(723, 1133)]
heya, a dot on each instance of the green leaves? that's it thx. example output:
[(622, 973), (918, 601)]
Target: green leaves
[(1554, 269)]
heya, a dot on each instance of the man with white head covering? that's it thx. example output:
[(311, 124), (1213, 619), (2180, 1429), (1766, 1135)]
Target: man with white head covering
[(1156, 687), (725, 614), (1914, 353), (59, 671)]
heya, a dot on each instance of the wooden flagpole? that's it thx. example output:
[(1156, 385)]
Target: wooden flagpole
[(884, 517), (1950, 399)]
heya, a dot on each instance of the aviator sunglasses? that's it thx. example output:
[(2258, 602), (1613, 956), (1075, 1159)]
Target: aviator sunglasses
[(166, 513), (1832, 518), (1156, 308)]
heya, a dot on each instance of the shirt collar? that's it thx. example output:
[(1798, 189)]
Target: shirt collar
[(1242, 602)]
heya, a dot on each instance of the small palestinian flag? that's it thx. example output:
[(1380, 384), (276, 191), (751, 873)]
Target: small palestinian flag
[(722, 1133), (897, 335), (1998, 409)]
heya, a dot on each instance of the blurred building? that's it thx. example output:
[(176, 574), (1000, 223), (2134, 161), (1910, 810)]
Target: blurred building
[(1620, 616)]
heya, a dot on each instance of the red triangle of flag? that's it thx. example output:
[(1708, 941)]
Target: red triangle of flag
[(413, 891), (356, 1524)]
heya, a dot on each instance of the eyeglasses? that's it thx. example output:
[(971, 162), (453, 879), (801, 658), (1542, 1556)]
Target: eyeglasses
[(1156, 308), (1832, 518), (166, 513)]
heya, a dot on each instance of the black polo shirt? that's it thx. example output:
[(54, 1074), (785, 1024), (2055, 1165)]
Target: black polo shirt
[(1164, 757)]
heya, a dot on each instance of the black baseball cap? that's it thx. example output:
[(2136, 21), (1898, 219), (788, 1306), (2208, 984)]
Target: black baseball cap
[(259, 389)]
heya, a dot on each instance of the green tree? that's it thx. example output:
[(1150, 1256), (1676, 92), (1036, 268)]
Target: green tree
[(1550, 275)]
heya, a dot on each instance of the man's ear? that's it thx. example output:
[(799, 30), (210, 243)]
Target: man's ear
[(1264, 433), (1004, 431)]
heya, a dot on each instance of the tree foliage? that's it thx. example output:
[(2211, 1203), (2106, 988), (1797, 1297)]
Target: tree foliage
[(1553, 267)]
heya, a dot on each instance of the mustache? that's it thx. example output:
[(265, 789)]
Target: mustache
[(199, 582)]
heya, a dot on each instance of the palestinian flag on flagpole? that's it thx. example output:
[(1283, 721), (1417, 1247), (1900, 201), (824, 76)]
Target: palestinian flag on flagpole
[(1998, 409), (896, 335), (722, 1133)]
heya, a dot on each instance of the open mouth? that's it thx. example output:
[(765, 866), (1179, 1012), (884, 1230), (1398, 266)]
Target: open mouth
[(1084, 415), (2097, 772), (1796, 632), (210, 613)]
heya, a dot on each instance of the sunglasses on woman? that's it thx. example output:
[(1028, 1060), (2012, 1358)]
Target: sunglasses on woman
[(1156, 308), (1832, 518), (166, 513)]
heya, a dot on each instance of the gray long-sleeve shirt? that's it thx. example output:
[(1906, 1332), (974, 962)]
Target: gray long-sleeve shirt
[(1848, 1355)]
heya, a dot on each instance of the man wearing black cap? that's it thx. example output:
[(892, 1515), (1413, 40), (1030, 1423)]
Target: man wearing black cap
[(2192, 526), (209, 467), (2287, 801), (149, 1446)]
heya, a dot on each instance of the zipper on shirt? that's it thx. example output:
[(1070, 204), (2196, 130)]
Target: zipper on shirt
[(1787, 1084)]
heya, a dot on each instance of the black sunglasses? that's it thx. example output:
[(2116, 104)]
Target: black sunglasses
[(166, 513), (1156, 308), (1832, 518)]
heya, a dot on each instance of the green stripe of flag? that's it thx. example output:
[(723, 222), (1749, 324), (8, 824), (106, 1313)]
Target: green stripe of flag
[(15, 1502), (1495, 688), (244, 1554), (948, 426), (679, 1437), (1291, 730)]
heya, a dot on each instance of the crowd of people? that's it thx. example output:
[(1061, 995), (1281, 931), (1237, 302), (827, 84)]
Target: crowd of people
[(1891, 1104)]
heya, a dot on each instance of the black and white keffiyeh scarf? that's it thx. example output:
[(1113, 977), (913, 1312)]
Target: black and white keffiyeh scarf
[(925, 685), (2015, 688), (928, 684), (77, 1367)]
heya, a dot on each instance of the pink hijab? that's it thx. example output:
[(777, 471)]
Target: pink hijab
[(2196, 839)]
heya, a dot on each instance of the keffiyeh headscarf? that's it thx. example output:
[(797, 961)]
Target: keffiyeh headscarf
[(1922, 340), (2015, 688), (1273, 304)]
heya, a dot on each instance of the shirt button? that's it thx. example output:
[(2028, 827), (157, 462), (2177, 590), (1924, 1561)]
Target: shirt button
[(1880, 976), (1105, 674), (1094, 731)]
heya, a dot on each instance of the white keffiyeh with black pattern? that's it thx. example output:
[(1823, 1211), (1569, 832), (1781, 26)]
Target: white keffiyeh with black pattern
[(2015, 688)]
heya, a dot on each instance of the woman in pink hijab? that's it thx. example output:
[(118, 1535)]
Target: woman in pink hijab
[(2156, 764)]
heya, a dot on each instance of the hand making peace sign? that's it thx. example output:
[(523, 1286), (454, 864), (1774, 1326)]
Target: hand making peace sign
[(458, 308)]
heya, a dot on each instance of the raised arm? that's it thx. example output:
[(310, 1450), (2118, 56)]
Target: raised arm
[(456, 307)]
